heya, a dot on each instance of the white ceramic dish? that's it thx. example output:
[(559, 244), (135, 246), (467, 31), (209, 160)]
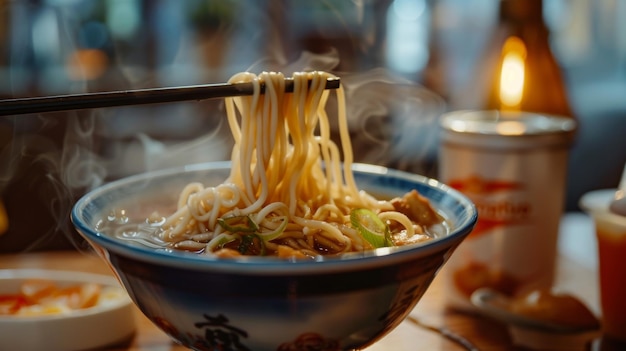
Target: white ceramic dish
[(104, 324)]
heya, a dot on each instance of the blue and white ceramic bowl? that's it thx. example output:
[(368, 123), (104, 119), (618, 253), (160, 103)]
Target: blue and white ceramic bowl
[(258, 303)]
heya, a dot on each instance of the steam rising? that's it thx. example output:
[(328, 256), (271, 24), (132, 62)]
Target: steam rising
[(53, 172), (392, 122)]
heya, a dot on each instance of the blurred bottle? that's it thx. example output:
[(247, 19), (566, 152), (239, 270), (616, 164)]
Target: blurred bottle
[(524, 74), (510, 160)]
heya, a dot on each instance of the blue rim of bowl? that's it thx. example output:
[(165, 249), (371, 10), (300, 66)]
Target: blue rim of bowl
[(265, 265)]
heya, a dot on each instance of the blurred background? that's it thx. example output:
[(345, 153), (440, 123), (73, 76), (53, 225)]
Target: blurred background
[(402, 62)]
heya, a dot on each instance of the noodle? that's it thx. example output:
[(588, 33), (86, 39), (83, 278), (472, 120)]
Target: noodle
[(288, 191)]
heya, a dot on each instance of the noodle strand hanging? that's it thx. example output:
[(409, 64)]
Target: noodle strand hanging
[(288, 193)]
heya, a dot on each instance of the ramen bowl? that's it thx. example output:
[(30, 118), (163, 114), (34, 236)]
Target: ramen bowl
[(264, 303)]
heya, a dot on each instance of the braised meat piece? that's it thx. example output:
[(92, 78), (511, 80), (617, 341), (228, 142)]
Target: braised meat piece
[(417, 208)]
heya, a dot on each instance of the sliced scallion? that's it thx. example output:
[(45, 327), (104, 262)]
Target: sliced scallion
[(238, 224), (371, 227), (273, 234), (252, 244)]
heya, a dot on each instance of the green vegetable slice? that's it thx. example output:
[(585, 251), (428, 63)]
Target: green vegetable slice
[(271, 235), (238, 224), (252, 244), (371, 227), (225, 239)]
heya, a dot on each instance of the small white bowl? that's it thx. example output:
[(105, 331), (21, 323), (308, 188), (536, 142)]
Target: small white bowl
[(101, 325)]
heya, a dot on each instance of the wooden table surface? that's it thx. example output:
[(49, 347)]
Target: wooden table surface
[(575, 275)]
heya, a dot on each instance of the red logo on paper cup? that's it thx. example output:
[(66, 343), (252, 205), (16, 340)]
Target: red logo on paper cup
[(499, 202)]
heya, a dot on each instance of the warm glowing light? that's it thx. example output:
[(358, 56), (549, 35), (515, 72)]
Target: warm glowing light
[(512, 73), (87, 64), (511, 128), (4, 219)]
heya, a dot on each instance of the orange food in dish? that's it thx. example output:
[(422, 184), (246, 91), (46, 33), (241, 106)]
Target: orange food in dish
[(44, 297)]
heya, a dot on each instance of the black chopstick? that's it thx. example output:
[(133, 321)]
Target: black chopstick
[(134, 97)]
